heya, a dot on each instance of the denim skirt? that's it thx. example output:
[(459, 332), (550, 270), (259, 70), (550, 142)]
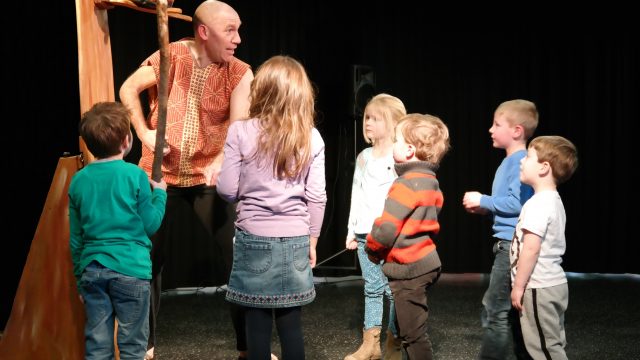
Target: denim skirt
[(270, 272)]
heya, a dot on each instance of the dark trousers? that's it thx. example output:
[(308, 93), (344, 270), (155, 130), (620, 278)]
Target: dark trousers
[(410, 296), (193, 248), (289, 325)]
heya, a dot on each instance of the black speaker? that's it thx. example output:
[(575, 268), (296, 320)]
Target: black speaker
[(364, 88)]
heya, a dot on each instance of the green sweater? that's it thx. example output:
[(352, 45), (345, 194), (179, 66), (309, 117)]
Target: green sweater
[(112, 213)]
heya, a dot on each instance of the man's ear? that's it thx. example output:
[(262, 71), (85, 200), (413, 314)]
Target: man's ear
[(203, 31)]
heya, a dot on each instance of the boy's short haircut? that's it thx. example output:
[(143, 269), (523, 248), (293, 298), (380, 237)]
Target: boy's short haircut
[(520, 112), (428, 134), (104, 127), (560, 153)]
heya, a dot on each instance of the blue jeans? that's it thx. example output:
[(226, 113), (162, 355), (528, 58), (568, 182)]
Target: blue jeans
[(499, 320), (376, 286), (109, 295)]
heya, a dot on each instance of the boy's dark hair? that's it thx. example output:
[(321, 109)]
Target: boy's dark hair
[(104, 127), (561, 154)]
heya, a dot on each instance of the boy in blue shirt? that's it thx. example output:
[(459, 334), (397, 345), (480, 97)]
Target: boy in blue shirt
[(514, 122)]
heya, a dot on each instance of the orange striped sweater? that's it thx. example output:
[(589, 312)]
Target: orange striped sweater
[(403, 235)]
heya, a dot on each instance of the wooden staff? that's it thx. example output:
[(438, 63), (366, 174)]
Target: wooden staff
[(163, 88)]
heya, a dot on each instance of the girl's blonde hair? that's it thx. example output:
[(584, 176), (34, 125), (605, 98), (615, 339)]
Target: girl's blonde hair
[(282, 99), (390, 107)]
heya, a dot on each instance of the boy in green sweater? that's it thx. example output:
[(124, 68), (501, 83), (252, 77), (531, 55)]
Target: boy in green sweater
[(112, 213), (403, 236)]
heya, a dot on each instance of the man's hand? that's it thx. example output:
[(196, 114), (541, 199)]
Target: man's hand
[(212, 171), (148, 139)]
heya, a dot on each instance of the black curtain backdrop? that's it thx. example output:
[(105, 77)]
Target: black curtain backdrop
[(584, 79)]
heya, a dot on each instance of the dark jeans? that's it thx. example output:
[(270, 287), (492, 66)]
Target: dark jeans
[(412, 312), (194, 246), (499, 320)]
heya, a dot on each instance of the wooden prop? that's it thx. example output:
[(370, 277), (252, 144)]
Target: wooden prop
[(47, 317), (163, 88), (171, 11)]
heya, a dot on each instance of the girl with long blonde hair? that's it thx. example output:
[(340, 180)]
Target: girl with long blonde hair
[(274, 169)]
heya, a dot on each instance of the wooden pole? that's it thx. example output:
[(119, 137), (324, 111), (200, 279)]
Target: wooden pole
[(163, 87)]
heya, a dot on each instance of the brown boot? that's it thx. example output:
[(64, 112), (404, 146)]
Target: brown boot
[(392, 347), (370, 348)]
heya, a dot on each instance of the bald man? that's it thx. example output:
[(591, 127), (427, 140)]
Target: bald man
[(208, 89)]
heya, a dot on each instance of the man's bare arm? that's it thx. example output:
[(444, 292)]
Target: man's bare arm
[(141, 79), (238, 109), (239, 106)]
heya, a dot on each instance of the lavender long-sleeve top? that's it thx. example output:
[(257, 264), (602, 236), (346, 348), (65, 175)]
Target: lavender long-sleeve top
[(268, 206)]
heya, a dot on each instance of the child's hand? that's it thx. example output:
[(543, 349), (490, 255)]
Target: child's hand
[(158, 185), (81, 298), (517, 295), (351, 243), (471, 200), (313, 258)]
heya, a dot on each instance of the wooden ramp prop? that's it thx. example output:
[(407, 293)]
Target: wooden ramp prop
[(47, 317)]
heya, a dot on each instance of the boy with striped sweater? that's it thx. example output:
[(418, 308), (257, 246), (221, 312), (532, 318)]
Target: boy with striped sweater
[(403, 236)]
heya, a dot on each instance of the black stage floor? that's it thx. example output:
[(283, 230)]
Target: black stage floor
[(602, 321)]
